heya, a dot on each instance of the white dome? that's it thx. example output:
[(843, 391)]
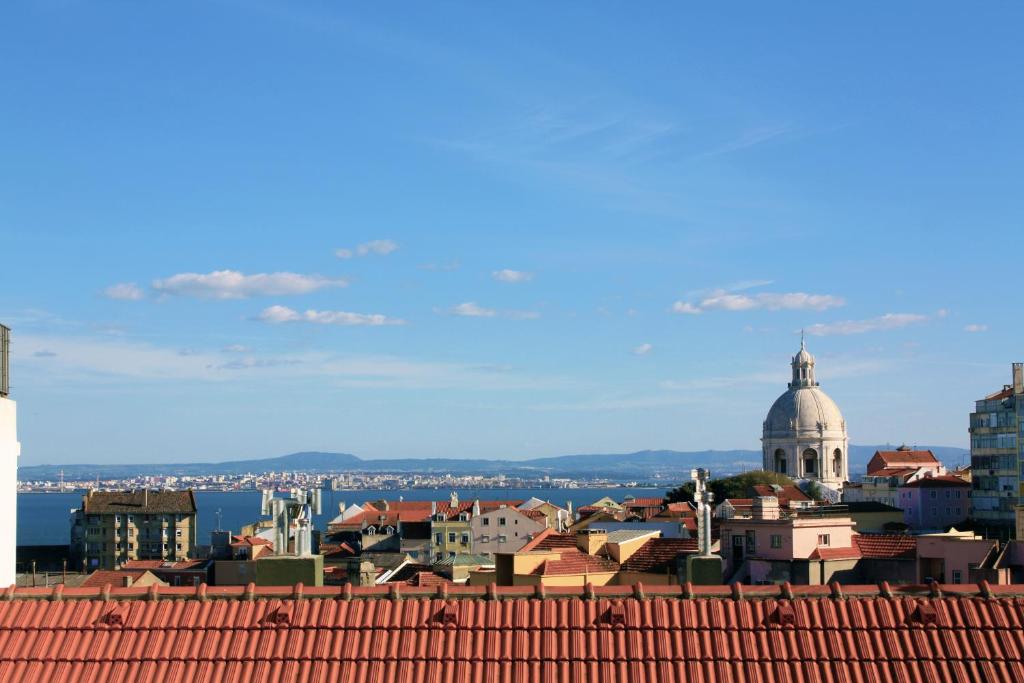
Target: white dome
[(803, 410)]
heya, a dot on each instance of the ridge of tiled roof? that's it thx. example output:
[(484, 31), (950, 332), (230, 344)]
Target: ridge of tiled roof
[(657, 553), (139, 502)]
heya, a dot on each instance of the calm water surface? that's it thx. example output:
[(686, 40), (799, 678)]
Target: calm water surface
[(44, 518)]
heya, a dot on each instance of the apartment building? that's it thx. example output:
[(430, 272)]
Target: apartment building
[(996, 428), (112, 528)]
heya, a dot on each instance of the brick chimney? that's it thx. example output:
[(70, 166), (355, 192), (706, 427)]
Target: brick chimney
[(591, 541), (766, 507)]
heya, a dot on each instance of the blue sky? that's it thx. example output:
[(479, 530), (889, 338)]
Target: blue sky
[(239, 229)]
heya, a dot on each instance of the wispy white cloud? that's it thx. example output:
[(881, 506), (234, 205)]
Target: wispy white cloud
[(512, 276), (685, 307), (231, 284), (975, 327), (470, 309), (643, 349), (723, 300), (90, 359), (377, 247), (283, 314), (889, 321), (124, 291), (236, 348)]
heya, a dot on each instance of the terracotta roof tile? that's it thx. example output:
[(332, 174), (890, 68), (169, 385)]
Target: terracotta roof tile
[(886, 545), (644, 502), (454, 633), (549, 539), (575, 562), (659, 554)]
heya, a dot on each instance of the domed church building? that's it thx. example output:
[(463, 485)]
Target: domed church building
[(805, 434)]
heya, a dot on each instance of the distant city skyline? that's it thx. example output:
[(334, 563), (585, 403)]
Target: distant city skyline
[(237, 231)]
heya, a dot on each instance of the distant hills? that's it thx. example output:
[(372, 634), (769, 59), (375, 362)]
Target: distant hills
[(642, 465)]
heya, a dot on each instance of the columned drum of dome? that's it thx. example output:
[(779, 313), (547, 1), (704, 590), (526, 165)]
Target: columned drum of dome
[(804, 434)]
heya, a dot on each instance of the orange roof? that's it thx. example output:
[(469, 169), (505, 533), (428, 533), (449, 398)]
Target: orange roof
[(102, 577), (575, 562), (182, 565), (658, 554), (549, 539), (452, 633), (644, 502), (881, 546), (239, 541), (428, 579), (788, 492), (901, 459)]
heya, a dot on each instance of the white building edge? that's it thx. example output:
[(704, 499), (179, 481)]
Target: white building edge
[(10, 449)]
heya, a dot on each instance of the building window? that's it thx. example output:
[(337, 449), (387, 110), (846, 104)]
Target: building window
[(451, 537), (177, 532), (751, 542), (485, 539), (486, 521), (823, 539), (931, 494), (957, 576), (502, 539), (776, 540), (465, 539), (437, 539), (501, 521)]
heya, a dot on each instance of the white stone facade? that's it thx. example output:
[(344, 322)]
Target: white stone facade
[(804, 434), (10, 449)]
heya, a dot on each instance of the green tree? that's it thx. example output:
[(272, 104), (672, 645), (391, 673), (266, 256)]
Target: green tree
[(737, 486)]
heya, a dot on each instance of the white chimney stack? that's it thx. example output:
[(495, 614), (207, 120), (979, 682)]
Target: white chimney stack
[(10, 449)]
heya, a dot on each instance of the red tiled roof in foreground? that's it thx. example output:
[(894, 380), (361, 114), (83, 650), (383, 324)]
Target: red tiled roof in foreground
[(516, 634)]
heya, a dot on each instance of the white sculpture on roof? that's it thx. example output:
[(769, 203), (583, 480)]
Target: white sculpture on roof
[(804, 434), (294, 512)]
